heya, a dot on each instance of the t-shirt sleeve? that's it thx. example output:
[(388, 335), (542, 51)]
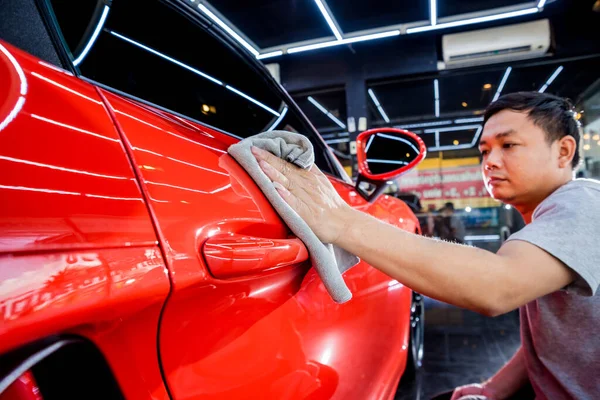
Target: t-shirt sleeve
[(566, 225)]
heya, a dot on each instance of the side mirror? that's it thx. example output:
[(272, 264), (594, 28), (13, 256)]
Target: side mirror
[(384, 154)]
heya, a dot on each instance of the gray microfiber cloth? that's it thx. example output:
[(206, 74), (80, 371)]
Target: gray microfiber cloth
[(329, 261)]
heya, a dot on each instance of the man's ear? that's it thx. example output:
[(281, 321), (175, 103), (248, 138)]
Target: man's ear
[(566, 151)]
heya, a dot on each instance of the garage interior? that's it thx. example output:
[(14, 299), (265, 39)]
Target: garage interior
[(431, 67)]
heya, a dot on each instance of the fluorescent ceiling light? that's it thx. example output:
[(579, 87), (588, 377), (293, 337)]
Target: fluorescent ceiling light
[(551, 79), (470, 21), (269, 55), (227, 29), (258, 103), (502, 83), (174, 61), (369, 143), (279, 119), (467, 120), (541, 3), (455, 147), (363, 38), (92, 40), (329, 19), (424, 124), (452, 128), (378, 161), (433, 12), (335, 135), (436, 94), (379, 107), (326, 112), (194, 70), (333, 141), (398, 139)]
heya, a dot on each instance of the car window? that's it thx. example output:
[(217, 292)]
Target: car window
[(152, 51)]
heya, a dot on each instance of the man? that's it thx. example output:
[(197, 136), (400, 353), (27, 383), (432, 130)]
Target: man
[(550, 268)]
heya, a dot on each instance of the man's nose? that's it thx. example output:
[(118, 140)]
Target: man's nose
[(493, 160)]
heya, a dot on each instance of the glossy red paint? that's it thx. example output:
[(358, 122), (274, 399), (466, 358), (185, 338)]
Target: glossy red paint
[(230, 256), (270, 334), (78, 252), (112, 297), (86, 263), (361, 154), (24, 388), (66, 182)]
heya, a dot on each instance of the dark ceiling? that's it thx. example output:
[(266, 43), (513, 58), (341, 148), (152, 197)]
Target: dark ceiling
[(401, 70)]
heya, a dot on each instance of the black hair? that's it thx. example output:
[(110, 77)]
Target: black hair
[(555, 115)]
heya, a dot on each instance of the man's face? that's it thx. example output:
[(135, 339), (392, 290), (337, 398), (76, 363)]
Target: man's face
[(517, 160)]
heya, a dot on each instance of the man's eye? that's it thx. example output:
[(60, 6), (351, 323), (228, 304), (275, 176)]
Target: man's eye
[(508, 145), (484, 152)]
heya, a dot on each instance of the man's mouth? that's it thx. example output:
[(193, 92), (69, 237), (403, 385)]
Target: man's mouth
[(495, 180)]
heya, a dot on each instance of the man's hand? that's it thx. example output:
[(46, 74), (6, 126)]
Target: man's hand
[(473, 389), (309, 193)]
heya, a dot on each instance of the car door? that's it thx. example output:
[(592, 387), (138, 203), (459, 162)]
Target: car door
[(247, 317)]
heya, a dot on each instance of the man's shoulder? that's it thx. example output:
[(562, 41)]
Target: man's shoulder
[(580, 184), (577, 195)]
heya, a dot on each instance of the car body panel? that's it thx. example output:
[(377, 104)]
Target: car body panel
[(128, 208), (268, 334), (66, 181), (78, 252)]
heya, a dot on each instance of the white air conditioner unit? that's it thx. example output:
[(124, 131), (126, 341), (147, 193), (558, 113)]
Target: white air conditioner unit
[(496, 45)]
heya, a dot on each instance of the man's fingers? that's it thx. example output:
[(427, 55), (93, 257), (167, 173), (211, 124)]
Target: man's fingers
[(274, 161), (273, 174)]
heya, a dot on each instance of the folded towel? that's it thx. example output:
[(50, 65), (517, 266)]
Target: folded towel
[(329, 261)]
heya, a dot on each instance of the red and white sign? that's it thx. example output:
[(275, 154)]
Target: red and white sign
[(445, 183)]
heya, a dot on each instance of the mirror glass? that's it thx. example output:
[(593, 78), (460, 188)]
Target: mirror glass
[(387, 152)]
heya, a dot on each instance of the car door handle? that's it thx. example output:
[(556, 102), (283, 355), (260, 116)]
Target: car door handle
[(230, 256)]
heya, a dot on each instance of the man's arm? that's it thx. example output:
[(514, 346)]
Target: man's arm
[(504, 384), (467, 277)]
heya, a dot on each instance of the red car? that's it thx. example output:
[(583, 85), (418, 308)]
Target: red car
[(119, 202)]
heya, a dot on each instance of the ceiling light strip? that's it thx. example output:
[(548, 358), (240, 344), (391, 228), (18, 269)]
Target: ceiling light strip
[(194, 70), (471, 21), (467, 120), (333, 141), (436, 94), (279, 119), (363, 38), (228, 29), (174, 61), (551, 79), (424, 124), (326, 112), (383, 135), (541, 4), (453, 128), (433, 12), (378, 105), (502, 83), (378, 161), (258, 103), (269, 55), (92, 40), (329, 18)]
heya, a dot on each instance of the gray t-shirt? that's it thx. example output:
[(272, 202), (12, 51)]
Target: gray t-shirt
[(560, 332)]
